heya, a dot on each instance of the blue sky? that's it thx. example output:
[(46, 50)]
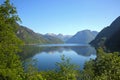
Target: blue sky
[(66, 16)]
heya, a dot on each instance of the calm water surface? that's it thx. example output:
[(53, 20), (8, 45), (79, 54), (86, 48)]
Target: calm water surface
[(47, 55)]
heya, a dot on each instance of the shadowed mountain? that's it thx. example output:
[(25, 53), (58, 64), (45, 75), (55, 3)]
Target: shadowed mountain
[(109, 36)]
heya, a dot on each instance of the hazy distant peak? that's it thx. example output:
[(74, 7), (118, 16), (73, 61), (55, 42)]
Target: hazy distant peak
[(51, 34), (84, 36), (87, 31), (60, 34)]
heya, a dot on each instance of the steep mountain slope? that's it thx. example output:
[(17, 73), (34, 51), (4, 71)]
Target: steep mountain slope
[(82, 37), (113, 43), (109, 36), (30, 37)]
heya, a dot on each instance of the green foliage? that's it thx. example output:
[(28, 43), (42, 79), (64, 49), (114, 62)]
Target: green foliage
[(65, 67), (105, 67), (8, 13), (30, 37), (10, 65), (88, 71)]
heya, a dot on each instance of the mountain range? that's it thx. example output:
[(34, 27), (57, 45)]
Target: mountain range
[(64, 38), (30, 37), (109, 37), (83, 37)]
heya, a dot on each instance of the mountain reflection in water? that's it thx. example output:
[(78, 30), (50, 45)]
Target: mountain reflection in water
[(48, 55)]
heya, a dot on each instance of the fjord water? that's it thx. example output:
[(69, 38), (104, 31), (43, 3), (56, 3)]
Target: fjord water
[(47, 55)]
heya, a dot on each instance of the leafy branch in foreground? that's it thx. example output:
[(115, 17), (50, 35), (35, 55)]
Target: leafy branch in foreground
[(10, 65), (105, 67), (65, 67)]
